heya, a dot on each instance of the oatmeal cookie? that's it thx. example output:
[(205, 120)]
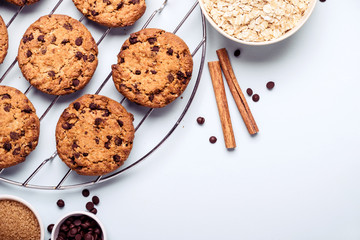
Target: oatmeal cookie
[(58, 55), (112, 13), (154, 67), (20, 127), (94, 135), (22, 2), (4, 41)]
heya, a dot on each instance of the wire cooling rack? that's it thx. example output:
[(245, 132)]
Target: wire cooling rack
[(61, 183)]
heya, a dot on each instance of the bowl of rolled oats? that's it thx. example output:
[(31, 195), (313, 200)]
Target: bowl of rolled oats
[(257, 22)]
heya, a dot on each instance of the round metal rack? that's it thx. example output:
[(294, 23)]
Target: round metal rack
[(61, 184)]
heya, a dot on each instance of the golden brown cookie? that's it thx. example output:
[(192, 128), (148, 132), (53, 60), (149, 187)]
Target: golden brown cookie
[(22, 2), (4, 41), (58, 55), (112, 13), (94, 135), (20, 127), (154, 67)]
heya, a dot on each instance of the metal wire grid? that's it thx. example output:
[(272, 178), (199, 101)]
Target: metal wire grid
[(99, 179)]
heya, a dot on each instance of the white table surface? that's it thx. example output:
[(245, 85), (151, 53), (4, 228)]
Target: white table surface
[(297, 179)]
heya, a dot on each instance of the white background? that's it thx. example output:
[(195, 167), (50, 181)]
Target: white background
[(297, 179)]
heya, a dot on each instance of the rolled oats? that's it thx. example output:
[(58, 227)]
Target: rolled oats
[(256, 20)]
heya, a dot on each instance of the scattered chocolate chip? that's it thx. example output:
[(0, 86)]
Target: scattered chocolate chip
[(200, 120), (120, 5), (170, 51), (41, 38), (68, 26), (76, 106), (51, 74), (7, 146), (237, 53), (85, 192), (155, 48), (79, 41), (270, 85), (50, 228), (60, 203), (75, 82), (255, 97), (96, 200), (98, 121), (170, 77), (137, 72), (212, 139), (89, 206), (249, 92), (152, 40), (133, 40), (93, 211), (116, 158), (28, 53)]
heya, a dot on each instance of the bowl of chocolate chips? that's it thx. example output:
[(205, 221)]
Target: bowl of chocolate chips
[(78, 226)]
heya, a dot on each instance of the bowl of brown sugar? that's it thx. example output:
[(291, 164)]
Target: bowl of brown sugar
[(19, 220)]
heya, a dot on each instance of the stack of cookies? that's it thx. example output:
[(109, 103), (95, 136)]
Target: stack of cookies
[(58, 56)]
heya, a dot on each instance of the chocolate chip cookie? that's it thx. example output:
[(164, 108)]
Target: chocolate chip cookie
[(58, 55), (94, 135), (154, 67), (4, 41), (20, 127), (112, 13), (22, 2)]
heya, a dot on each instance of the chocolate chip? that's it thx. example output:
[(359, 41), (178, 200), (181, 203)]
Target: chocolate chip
[(134, 1), (7, 107), (125, 47), (155, 48), (89, 206), (5, 96), (270, 85), (120, 5), (151, 97), (75, 82), (27, 109), (118, 141), (200, 120), (180, 75), (14, 136), (85, 154), (122, 60), (212, 139), (85, 58), (68, 26), (51, 74), (322, 0), (28, 38), (53, 39), (237, 52), (95, 200), (74, 145), (78, 55), (60, 203), (94, 13), (121, 123), (109, 137), (249, 92), (170, 77), (16, 151), (153, 71), (65, 41), (76, 105), (133, 40), (85, 192), (79, 41), (41, 38), (91, 57), (170, 51), (93, 211), (255, 97), (106, 113), (107, 2), (94, 106), (137, 72), (152, 40), (77, 222), (117, 158), (50, 227), (98, 121), (97, 140), (28, 53), (107, 145), (7, 146), (66, 126)]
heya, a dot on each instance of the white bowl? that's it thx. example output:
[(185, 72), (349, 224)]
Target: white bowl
[(56, 228), (17, 199), (286, 35)]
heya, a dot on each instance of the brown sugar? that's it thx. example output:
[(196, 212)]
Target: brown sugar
[(17, 221)]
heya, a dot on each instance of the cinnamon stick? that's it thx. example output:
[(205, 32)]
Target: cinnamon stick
[(236, 92), (220, 95)]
